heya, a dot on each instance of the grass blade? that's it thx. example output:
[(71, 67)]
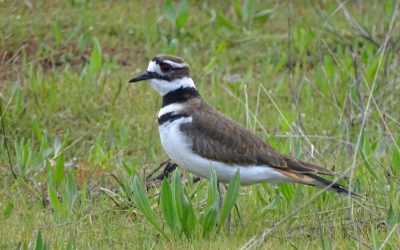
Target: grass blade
[(54, 202), (212, 196), (143, 204), (167, 206), (177, 193), (95, 57), (169, 11), (230, 198), (238, 8), (39, 241), (210, 219), (183, 14), (189, 218), (58, 173)]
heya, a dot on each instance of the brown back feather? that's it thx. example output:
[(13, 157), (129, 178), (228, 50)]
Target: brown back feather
[(217, 137)]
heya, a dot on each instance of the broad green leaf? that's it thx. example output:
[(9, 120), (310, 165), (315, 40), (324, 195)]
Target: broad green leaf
[(169, 10), (287, 190), (393, 216), (208, 69), (84, 40), (288, 120), (39, 245), (298, 193), (297, 149), (177, 194), (36, 129), (167, 205), (224, 22), (286, 147), (183, 14), (58, 31), (238, 9), (127, 169), (8, 210), (366, 151), (183, 206), (249, 11), (210, 219), (70, 245), (58, 173), (264, 15), (24, 246), (230, 198), (143, 204), (189, 218), (329, 69), (366, 146), (396, 157), (57, 146), (70, 192), (273, 205), (321, 81), (371, 71), (212, 196), (54, 202), (96, 57), (259, 194), (376, 239)]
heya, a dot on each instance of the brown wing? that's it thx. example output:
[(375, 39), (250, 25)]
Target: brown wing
[(215, 136)]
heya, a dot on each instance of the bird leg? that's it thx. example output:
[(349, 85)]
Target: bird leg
[(169, 167)]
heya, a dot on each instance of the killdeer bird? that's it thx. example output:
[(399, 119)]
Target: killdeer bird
[(197, 136)]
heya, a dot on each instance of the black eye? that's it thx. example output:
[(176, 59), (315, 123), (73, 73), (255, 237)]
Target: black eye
[(165, 67)]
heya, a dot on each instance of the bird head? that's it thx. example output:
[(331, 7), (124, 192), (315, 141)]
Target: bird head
[(166, 73)]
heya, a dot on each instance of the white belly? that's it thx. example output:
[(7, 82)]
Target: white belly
[(179, 148)]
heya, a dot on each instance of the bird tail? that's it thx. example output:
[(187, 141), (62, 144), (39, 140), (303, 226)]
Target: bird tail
[(333, 186), (315, 180)]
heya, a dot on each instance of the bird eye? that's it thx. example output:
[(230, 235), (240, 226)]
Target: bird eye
[(165, 67)]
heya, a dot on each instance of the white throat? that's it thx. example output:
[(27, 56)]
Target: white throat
[(164, 87)]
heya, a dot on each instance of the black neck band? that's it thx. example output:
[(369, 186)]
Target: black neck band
[(180, 95)]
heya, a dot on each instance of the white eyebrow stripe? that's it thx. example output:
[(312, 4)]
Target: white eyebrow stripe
[(153, 67), (176, 65)]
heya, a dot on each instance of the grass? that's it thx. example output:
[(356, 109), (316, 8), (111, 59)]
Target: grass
[(319, 81)]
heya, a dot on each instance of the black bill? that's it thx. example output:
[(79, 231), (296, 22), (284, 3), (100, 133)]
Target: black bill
[(142, 77)]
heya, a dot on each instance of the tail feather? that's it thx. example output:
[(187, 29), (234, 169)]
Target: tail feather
[(319, 181), (315, 180)]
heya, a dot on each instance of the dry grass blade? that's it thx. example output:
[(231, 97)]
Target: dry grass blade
[(367, 106), (6, 137), (388, 236)]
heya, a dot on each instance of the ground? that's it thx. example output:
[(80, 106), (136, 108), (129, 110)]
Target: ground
[(318, 80)]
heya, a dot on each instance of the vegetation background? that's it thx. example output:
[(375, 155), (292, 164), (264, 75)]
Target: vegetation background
[(317, 79)]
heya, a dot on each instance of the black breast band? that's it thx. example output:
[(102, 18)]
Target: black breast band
[(170, 117)]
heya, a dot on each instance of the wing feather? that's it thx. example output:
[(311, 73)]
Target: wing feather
[(217, 137)]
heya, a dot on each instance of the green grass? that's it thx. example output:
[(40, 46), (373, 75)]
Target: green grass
[(318, 81)]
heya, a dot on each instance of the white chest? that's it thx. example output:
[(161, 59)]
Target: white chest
[(174, 142)]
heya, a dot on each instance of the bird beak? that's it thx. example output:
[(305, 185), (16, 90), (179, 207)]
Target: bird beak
[(142, 77)]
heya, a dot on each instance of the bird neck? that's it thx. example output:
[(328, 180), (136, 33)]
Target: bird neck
[(180, 95)]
